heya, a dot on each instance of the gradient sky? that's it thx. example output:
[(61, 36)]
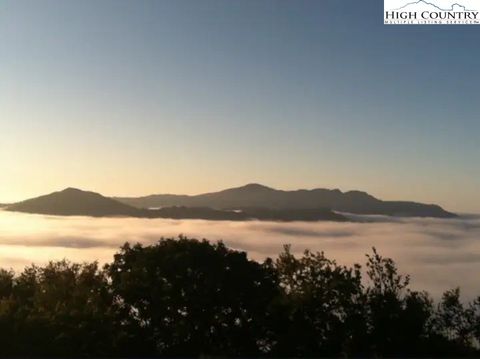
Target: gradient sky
[(139, 97)]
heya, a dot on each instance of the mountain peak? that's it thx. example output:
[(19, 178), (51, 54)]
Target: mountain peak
[(252, 188), (71, 190), (255, 186), (73, 201)]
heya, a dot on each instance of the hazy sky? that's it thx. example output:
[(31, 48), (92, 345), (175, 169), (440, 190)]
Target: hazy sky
[(138, 97)]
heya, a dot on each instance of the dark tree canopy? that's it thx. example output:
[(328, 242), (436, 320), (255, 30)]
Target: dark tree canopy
[(192, 298), (57, 310), (185, 297)]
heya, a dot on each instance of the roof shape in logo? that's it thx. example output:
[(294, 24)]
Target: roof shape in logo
[(452, 7)]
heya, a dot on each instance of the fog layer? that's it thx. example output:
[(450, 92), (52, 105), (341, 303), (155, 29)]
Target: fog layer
[(439, 254)]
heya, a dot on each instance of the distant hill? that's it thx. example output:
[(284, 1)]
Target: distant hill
[(71, 201), (259, 196), (301, 214), (263, 214)]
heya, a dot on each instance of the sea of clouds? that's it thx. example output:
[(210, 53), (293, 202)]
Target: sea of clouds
[(439, 254)]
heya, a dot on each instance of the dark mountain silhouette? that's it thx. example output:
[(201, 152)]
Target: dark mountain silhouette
[(300, 214), (259, 196), (71, 201), (263, 214)]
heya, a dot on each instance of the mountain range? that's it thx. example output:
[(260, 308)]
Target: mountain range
[(252, 201), (260, 196), (75, 202)]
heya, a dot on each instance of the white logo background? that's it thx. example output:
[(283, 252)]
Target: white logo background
[(433, 6)]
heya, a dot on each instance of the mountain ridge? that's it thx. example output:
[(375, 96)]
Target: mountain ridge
[(75, 202), (257, 195)]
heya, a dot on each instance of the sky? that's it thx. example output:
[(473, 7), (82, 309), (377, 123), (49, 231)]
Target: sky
[(177, 96)]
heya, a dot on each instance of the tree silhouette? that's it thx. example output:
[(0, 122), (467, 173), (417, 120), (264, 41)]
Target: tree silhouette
[(185, 297), (193, 298), (61, 308), (324, 305)]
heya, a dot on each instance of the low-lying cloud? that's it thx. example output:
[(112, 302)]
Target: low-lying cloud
[(438, 253)]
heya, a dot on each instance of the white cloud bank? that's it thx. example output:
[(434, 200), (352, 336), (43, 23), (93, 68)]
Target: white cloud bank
[(439, 254)]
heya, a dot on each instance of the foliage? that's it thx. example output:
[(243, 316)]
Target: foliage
[(191, 297), (46, 310), (185, 297), (324, 305)]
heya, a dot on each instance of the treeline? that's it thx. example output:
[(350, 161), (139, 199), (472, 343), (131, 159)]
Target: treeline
[(184, 297)]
